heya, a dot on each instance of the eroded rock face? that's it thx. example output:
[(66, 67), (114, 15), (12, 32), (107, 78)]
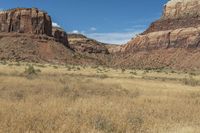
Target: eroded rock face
[(179, 38), (181, 8), (25, 20), (60, 35), (172, 41), (177, 14), (81, 43), (179, 27)]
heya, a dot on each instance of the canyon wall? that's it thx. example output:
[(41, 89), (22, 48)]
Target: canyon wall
[(171, 41)]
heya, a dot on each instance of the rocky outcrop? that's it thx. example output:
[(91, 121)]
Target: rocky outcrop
[(113, 48), (26, 34), (31, 21), (177, 14), (168, 39), (179, 38), (25, 20), (60, 35), (179, 27), (181, 8), (82, 44)]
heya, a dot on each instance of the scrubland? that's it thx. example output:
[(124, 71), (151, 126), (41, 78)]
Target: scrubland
[(37, 98)]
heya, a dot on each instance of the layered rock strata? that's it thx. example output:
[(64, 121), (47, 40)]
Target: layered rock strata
[(179, 27), (60, 35), (81, 43), (172, 41), (25, 20)]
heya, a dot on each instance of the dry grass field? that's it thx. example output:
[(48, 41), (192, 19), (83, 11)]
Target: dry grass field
[(75, 99)]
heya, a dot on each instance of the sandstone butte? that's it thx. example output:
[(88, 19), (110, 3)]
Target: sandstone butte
[(172, 41), (26, 34), (25, 20), (32, 21)]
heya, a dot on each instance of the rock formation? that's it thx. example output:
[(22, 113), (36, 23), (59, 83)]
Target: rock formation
[(178, 27), (25, 20), (81, 43), (60, 35), (171, 41), (181, 8), (26, 34)]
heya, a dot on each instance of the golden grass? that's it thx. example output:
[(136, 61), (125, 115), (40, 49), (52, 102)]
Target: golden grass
[(64, 99)]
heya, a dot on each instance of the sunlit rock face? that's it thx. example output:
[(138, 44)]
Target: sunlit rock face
[(25, 20), (82, 44), (179, 27), (172, 41), (60, 35), (181, 8)]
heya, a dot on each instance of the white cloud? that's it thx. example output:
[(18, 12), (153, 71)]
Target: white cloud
[(55, 25), (75, 31), (115, 37), (93, 29)]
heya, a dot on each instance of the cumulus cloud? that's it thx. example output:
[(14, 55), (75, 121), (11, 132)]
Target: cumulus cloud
[(114, 37), (55, 25)]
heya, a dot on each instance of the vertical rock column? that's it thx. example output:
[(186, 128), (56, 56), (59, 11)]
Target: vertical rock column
[(26, 20)]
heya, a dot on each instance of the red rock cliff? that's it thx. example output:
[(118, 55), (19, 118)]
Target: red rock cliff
[(25, 20)]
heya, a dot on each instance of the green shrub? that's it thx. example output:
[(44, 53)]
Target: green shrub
[(30, 70)]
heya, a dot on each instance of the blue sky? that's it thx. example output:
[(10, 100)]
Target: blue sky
[(111, 21)]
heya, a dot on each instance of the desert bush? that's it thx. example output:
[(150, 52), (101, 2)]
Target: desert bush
[(193, 73), (191, 81), (103, 124), (136, 123), (55, 67), (123, 70), (31, 71), (78, 68), (3, 62), (103, 76), (95, 67), (17, 64), (134, 73)]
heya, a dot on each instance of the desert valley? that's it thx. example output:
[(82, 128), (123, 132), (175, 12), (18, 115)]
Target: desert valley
[(52, 81)]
